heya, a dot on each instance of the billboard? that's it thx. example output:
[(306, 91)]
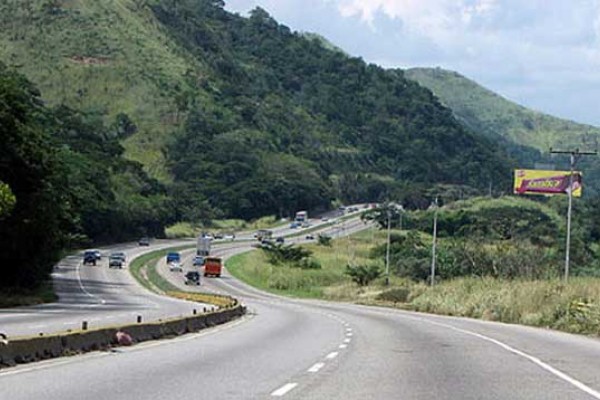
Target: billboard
[(533, 181)]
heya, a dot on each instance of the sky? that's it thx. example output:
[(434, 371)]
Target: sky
[(543, 54)]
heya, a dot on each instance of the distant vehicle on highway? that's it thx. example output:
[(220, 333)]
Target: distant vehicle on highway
[(119, 254), (280, 240), (213, 266), (218, 236), (192, 278), (145, 241), (324, 219), (310, 237), (116, 260), (301, 216), (173, 257), (175, 266), (198, 261), (263, 234), (89, 257), (229, 236), (203, 246), (295, 225)]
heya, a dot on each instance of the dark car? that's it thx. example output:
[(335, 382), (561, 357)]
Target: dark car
[(89, 257), (279, 240), (192, 278), (144, 241)]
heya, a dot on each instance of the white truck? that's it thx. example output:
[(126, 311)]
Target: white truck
[(301, 216), (203, 246)]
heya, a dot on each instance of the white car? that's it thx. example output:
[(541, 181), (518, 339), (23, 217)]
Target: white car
[(175, 266), (229, 237)]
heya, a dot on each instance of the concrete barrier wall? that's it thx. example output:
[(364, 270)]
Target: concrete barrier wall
[(29, 349)]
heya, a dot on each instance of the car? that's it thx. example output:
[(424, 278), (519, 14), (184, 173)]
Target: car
[(192, 278), (218, 236), (173, 256), (309, 237), (198, 261), (229, 236), (279, 240), (208, 236), (306, 224), (144, 241), (115, 261), (119, 254), (89, 257), (175, 266), (295, 225), (324, 219)]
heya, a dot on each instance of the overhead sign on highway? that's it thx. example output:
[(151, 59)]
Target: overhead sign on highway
[(543, 182)]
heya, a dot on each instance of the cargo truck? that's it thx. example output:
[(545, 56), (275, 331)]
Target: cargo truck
[(203, 246), (213, 266)]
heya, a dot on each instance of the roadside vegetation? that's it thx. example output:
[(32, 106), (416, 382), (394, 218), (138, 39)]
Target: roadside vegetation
[(498, 259)]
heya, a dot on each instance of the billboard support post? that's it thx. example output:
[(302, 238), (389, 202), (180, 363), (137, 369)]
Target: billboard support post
[(574, 157)]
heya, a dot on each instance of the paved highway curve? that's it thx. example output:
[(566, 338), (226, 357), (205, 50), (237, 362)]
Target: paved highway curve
[(301, 349)]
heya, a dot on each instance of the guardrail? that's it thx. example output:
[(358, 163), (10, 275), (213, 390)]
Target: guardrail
[(35, 348)]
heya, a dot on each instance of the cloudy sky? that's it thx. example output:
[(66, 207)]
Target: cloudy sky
[(544, 54)]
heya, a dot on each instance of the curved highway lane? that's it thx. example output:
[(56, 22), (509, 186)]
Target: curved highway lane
[(302, 349)]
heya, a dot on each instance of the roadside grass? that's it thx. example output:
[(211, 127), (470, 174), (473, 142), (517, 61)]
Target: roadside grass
[(572, 307), (328, 282), (24, 297), (182, 230), (188, 230)]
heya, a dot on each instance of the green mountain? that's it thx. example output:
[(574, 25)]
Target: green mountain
[(487, 113), (241, 116)]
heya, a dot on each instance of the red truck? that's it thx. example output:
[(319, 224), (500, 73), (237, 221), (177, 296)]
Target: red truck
[(213, 266)]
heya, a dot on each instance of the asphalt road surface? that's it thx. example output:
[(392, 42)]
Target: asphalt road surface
[(100, 295), (301, 349)]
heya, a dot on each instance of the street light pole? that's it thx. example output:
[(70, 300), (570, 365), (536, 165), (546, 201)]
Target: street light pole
[(434, 244), (574, 157)]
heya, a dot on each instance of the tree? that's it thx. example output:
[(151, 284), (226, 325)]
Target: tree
[(7, 200)]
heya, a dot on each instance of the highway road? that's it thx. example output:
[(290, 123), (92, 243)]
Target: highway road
[(96, 294), (303, 349)]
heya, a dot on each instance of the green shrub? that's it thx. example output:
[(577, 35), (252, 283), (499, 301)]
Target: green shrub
[(363, 274), (396, 295)]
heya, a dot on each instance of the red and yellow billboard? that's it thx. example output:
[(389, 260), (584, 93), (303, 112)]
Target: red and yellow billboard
[(533, 181)]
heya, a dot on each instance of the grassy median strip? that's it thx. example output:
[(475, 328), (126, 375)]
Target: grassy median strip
[(144, 269)]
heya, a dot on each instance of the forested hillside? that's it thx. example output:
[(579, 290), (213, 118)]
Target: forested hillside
[(229, 116), (490, 114), (65, 183)]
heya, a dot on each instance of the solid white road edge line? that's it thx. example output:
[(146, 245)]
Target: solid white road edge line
[(332, 355), (316, 367), (284, 389), (561, 375), (343, 346)]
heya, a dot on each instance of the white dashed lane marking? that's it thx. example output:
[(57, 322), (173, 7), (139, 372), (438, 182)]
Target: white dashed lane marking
[(282, 391)]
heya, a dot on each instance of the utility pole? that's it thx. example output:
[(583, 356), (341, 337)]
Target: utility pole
[(387, 250), (433, 246), (575, 155)]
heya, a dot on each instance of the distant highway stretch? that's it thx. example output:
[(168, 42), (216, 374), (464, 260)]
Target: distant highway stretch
[(301, 349)]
